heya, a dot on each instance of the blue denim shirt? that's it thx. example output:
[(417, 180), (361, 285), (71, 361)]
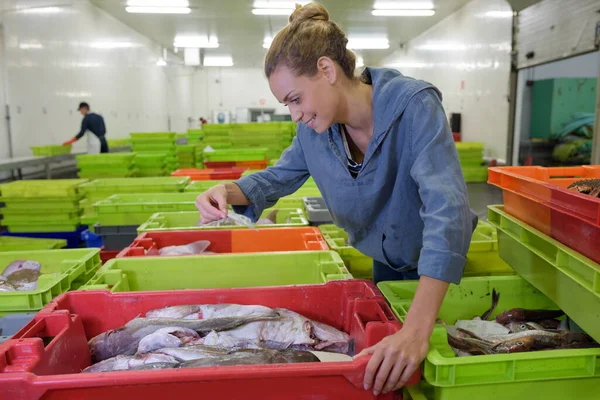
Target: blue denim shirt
[(408, 206)]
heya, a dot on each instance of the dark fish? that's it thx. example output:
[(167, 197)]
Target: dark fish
[(523, 315), (478, 346), (254, 357), (495, 299), (550, 323)]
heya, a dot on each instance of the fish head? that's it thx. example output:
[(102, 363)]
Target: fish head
[(512, 315), (330, 338), (517, 345), (158, 340), (515, 327)]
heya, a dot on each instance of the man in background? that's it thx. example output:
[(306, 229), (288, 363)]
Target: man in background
[(95, 124)]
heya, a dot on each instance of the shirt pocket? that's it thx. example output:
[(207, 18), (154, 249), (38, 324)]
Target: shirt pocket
[(390, 250)]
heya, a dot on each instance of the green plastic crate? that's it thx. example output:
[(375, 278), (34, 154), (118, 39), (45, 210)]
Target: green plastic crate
[(202, 186), (51, 150), (236, 155), (15, 243), (108, 159), (219, 271), (64, 188), (186, 221), (59, 269), (135, 209), (132, 173), (153, 173), (562, 274), (469, 146), (552, 374), (20, 216), (120, 142), (143, 137), (42, 204), (135, 185), (35, 226), (482, 258), (154, 147), (475, 174)]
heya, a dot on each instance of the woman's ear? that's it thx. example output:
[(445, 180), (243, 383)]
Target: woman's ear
[(326, 66)]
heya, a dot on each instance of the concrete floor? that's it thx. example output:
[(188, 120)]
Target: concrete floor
[(482, 195)]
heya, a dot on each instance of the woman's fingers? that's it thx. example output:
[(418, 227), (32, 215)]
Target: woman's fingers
[(384, 371), (372, 367), (409, 370), (394, 377)]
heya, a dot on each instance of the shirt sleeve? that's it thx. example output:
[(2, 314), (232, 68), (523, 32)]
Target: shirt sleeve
[(264, 188), (84, 127), (448, 220)]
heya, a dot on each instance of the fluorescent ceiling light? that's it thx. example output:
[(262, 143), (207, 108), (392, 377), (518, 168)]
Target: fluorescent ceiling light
[(41, 10), (403, 5), (267, 42), (218, 61), (499, 14), (158, 10), (403, 13), (360, 62), (443, 46), (378, 43), (161, 62), (197, 42), (31, 45), (191, 56), (272, 11), (158, 3)]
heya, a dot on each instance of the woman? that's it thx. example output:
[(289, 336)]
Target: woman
[(380, 151)]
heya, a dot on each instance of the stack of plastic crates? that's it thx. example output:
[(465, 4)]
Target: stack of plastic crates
[(470, 155), (109, 165), (217, 136), (119, 142), (157, 154), (34, 206), (50, 150), (186, 156), (195, 136), (250, 158)]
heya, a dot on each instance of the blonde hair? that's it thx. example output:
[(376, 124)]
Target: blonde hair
[(309, 36)]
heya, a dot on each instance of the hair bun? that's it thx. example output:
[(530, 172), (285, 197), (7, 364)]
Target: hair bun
[(314, 11)]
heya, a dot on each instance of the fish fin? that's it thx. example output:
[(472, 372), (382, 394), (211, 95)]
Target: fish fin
[(495, 299), (352, 348)]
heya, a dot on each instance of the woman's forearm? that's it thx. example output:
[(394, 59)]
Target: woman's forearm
[(426, 304), (235, 196)]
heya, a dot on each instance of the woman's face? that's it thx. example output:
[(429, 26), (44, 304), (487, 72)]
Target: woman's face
[(311, 99)]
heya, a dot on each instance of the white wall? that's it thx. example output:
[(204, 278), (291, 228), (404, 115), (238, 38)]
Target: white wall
[(226, 89), (467, 56), (583, 66), (60, 56)]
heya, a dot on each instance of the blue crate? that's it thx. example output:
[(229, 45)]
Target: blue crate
[(73, 238), (91, 239)]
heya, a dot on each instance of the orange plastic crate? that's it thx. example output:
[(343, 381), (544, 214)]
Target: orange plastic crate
[(210, 174)]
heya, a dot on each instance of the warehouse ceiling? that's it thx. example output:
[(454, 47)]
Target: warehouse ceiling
[(241, 34)]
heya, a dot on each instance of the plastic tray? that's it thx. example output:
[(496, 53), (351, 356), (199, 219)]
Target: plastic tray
[(230, 241), (475, 174), (562, 374), (116, 237), (202, 186), (134, 185), (565, 276), (105, 160), (12, 323), (219, 271), (53, 371), (16, 217), (469, 147), (210, 174), (538, 196), (8, 243), (105, 256), (142, 137), (73, 238), (316, 211), (39, 204), (50, 150), (482, 259), (36, 226), (59, 269), (236, 155), (187, 220), (64, 188)]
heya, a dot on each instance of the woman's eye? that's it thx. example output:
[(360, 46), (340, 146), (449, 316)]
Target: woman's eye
[(295, 101)]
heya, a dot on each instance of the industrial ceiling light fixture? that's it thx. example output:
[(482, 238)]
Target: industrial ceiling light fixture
[(282, 8), (158, 7), (218, 61), (368, 43), (403, 9), (197, 42)]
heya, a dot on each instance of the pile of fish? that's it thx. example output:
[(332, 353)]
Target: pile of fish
[(189, 336), (195, 248), (20, 275), (587, 186), (234, 219), (513, 331)]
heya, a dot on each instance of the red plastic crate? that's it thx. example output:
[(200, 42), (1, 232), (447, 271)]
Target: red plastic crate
[(28, 370), (210, 174), (220, 164), (106, 255), (230, 241), (538, 196), (259, 164)]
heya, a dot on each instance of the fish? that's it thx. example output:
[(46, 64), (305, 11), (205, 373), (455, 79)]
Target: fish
[(546, 339), (22, 275), (125, 340), (480, 346), (124, 362), (194, 248), (586, 186), (194, 352), (6, 286), (270, 219), (254, 357), (153, 366), (167, 337), (495, 299), (523, 315), (207, 311)]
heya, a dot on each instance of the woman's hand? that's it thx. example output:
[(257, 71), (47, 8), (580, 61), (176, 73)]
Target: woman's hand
[(212, 204), (394, 360)]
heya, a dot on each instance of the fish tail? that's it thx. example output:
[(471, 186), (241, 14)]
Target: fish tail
[(495, 299)]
